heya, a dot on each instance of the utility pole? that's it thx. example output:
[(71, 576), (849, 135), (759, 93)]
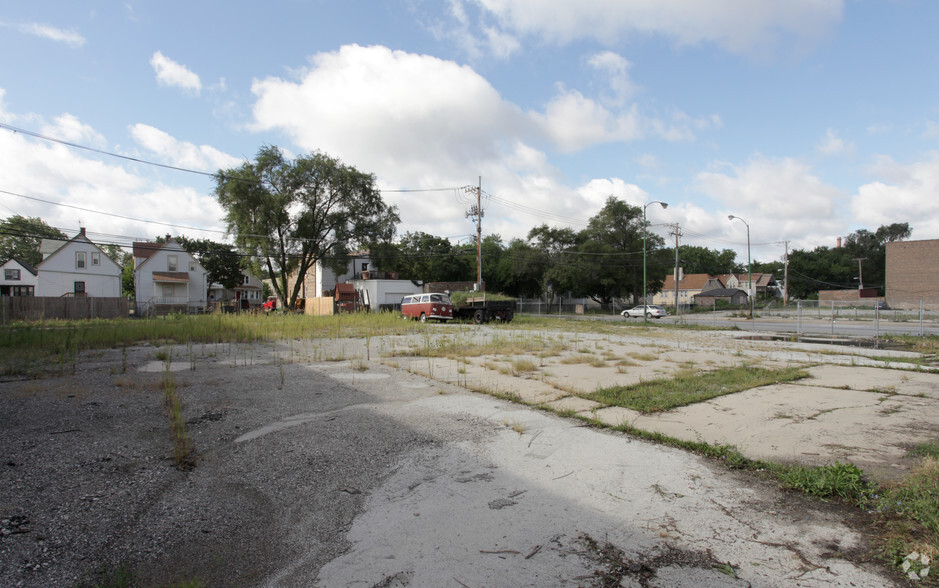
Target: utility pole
[(786, 277), (479, 235), (860, 274), (476, 213), (676, 231)]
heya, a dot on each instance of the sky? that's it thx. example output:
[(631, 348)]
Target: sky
[(807, 119)]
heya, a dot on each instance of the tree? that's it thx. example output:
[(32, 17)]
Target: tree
[(292, 213), (611, 250), (222, 263), (560, 270), (426, 257), (20, 237), (520, 269), (701, 260), (826, 268)]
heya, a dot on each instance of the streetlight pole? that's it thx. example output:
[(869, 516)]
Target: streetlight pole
[(750, 288), (645, 310)]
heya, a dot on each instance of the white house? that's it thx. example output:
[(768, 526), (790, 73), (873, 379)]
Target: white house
[(18, 278), (167, 278), (77, 267), (250, 289)]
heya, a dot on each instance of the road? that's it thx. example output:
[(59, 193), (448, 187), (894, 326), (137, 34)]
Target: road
[(810, 323)]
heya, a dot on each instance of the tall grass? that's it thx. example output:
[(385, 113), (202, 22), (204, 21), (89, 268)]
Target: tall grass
[(28, 348)]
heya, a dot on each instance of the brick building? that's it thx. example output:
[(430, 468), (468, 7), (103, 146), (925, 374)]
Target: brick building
[(913, 274)]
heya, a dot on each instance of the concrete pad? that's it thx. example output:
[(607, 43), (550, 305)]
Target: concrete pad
[(616, 415), (907, 382), (574, 403)]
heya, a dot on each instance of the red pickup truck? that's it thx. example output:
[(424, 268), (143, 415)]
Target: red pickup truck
[(270, 304)]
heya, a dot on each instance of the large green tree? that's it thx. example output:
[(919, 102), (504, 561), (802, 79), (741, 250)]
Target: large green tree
[(611, 252), (557, 247), (702, 260), (292, 213), (222, 263), (520, 269), (832, 268), (20, 237)]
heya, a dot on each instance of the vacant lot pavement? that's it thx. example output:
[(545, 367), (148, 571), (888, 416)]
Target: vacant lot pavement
[(356, 474)]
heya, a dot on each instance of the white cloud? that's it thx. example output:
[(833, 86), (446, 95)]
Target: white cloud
[(574, 122), (616, 67), (182, 153), (172, 74), (832, 144), (67, 36), (420, 121), (781, 199), (68, 128), (53, 172), (501, 44), (740, 26), (907, 193)]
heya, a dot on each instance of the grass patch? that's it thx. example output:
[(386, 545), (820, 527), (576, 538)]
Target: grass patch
[(523, 366), (845, 481), (688, 388), (184, 454), (927, 449), (580, 358)]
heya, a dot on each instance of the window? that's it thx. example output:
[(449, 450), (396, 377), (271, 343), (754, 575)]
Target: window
[(79, 287), (365, 266), (22, 290), (244, 280), (192, 266), (95, 258), (172, 262), (11, 274), (167, 291), (80, 260)]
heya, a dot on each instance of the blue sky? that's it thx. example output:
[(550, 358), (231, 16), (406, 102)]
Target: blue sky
[(809, 119)]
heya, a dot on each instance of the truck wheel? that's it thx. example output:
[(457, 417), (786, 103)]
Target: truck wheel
[(479, 317), (509, 316), (423, 318)]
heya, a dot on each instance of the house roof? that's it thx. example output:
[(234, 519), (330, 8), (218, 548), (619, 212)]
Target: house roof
[(22, 264), (688, 282), (80, 237), (171, 277), (722, 293), (144, 249), (759, 279)]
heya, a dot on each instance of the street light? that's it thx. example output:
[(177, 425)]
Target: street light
[(749, 268), (645, 310)]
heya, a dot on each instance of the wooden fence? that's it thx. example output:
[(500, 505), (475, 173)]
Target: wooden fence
[(36, 308)]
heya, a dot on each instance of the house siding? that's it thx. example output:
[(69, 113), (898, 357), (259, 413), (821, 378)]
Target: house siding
[(912, 274), (152, 290), (58, 273), (24, 286)]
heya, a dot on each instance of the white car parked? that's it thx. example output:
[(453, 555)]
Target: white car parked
[(649, 311)]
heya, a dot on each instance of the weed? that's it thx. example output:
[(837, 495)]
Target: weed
[(359, 365), (927, 449), (642, 356), (183, 452), (523, 366), (578, 359), (687, 388), (842, 480)]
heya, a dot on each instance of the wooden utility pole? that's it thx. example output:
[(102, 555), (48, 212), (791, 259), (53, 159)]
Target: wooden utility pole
[(860, 273), (786, 276), (676, 231), (479, 233)]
